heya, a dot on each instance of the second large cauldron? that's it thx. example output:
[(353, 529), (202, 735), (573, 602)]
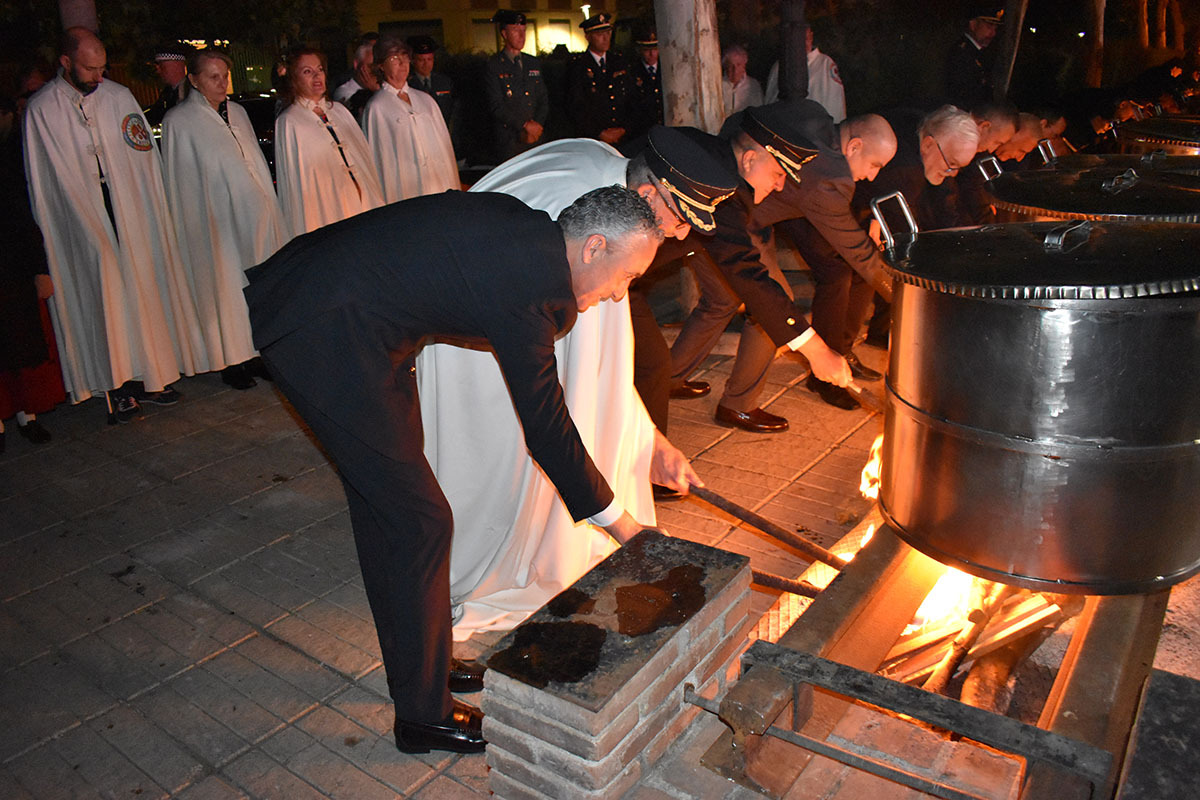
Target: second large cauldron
[(1043, 421)]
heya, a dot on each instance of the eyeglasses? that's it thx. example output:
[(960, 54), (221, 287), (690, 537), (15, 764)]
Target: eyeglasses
[(951, 171), (397, 57)]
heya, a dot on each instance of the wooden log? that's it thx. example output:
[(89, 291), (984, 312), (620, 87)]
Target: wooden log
[(691, 63)]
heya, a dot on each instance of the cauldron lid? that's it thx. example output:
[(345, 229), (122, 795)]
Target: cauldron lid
[(1179, 130), (1157, 160), (1102, 193), (1050, 260)]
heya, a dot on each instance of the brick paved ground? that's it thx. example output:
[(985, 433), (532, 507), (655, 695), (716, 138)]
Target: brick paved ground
[(181, 611)]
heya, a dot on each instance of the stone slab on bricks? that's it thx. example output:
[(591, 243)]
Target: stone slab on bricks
[(585, 647)]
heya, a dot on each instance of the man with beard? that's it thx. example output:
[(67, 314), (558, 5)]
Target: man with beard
[(123, 310)]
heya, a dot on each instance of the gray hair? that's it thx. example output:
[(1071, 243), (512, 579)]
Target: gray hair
[(198, 57), (950, 123), (638, 172), (614, 212), (362, 51)]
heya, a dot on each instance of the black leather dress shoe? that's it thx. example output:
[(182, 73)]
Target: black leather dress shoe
[(861, 370), (756, 421), (466, 676), (34, 432), (831, 394), (690, 390), (460, 732)]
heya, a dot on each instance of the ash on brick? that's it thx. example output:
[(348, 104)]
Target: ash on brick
[(569, 602), (645, 607), (541, 652)]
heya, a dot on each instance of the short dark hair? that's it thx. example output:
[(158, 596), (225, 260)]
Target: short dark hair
[(289, 83)]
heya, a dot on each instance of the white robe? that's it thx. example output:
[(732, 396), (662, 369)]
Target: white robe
[(824, 84), (227, 218), (314, 183), (515, 544), (411, 144), (122, 307)]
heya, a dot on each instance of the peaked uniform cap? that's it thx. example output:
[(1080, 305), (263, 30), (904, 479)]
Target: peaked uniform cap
[(694, 177), (598, 22), (793, 131), (507, 17)]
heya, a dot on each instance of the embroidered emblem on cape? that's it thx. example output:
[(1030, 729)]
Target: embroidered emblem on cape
[(137, 134)]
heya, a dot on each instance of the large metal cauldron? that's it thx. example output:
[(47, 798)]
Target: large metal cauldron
[(1043, 421), (1178, 136), (1111, 193)]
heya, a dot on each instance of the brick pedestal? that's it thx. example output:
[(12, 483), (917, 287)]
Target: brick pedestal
[(583, 697)]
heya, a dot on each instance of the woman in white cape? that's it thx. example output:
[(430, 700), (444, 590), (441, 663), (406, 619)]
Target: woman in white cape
[(323, 165), (227, 218), (405, 129)]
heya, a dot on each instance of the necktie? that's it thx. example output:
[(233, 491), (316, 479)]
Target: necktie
[(651, 71), (601, 63), (223, 110)]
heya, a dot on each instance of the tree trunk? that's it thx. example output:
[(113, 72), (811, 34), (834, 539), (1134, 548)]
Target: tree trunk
[(1143, 23), (81, 13), (793, 61), (691, 63), (1160, 24), (1010, 41), (1178, 41), (1095, 56)]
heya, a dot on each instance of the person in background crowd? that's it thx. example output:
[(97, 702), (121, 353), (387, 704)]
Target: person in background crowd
[(124, 316), (340, 316), (406, 132), (1023, 142), (435, 84), (30, 377), (847, 269), (969, 63), (516, 92), (824, 81), (997, 124), (1054, 128), (598, 85), (738, 90), (170, 63), (29, 80), (364, 83), (227, 218), (515, 544), (323, 165), (646, 102)]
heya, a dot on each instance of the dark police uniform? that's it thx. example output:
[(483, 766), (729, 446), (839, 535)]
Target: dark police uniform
[(437, 85), (646, 106), (598, 97), (339, 314), (968, 74), (516, 93)]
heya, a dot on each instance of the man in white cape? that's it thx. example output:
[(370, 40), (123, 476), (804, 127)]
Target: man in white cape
[(122, 309), (408, 136), (223, 202), (515, 544)]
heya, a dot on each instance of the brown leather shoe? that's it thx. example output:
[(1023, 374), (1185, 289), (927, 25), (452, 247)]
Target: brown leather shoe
[(460, 732), (756, 421), (466, 676), (690, 390)]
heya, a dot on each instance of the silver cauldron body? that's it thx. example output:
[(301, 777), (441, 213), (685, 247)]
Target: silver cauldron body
[(1043, 420)]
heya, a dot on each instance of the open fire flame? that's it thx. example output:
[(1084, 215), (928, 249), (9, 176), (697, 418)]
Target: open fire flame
[(950, 598)]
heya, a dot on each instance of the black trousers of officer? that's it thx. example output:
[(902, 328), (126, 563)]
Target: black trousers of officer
[(402, 523), (841, 298)]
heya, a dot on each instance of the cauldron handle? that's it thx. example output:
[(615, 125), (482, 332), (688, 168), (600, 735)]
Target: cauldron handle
[(883, 226), (1046, 151), (987, 164)]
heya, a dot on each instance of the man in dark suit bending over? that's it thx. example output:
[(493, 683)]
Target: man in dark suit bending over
[(339, 315)]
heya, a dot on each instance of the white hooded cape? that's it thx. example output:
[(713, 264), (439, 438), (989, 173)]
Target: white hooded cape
[(122, 308), (226, 216), (411, 144), (314, 183), (515, 544)]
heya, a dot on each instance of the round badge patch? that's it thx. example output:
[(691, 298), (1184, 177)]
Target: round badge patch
[(137, 132)]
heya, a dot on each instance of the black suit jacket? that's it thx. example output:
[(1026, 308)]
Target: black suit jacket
[(347, 306), (598, 99)]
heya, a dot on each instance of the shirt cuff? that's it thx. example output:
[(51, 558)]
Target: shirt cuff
[(802, 339), (608, 516)]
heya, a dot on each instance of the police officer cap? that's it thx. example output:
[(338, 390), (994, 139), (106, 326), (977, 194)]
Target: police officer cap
[(422, 45), (645, 37), (170, 51), (790, 130), (988, 12), (599, 22), (695, 179), (507, 17)]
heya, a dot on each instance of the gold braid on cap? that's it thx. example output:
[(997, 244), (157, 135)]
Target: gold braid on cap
[(686, 202), (790, 166)]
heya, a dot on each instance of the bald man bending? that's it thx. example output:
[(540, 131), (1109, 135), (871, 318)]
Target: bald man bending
[(846, 266)]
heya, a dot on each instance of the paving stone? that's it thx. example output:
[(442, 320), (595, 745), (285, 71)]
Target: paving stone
[(102, 765), (45, 774), (10, 789), (332, 775), (225, 590), (191, 725), (444, 788), (194, 451), (261, 777), (220, 700), (369, 707), (148, 747), (292, 666), (23, 516), (323, 646), (212, 788), (46, 556), (374, 754), (116, 671), (261, 683)]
